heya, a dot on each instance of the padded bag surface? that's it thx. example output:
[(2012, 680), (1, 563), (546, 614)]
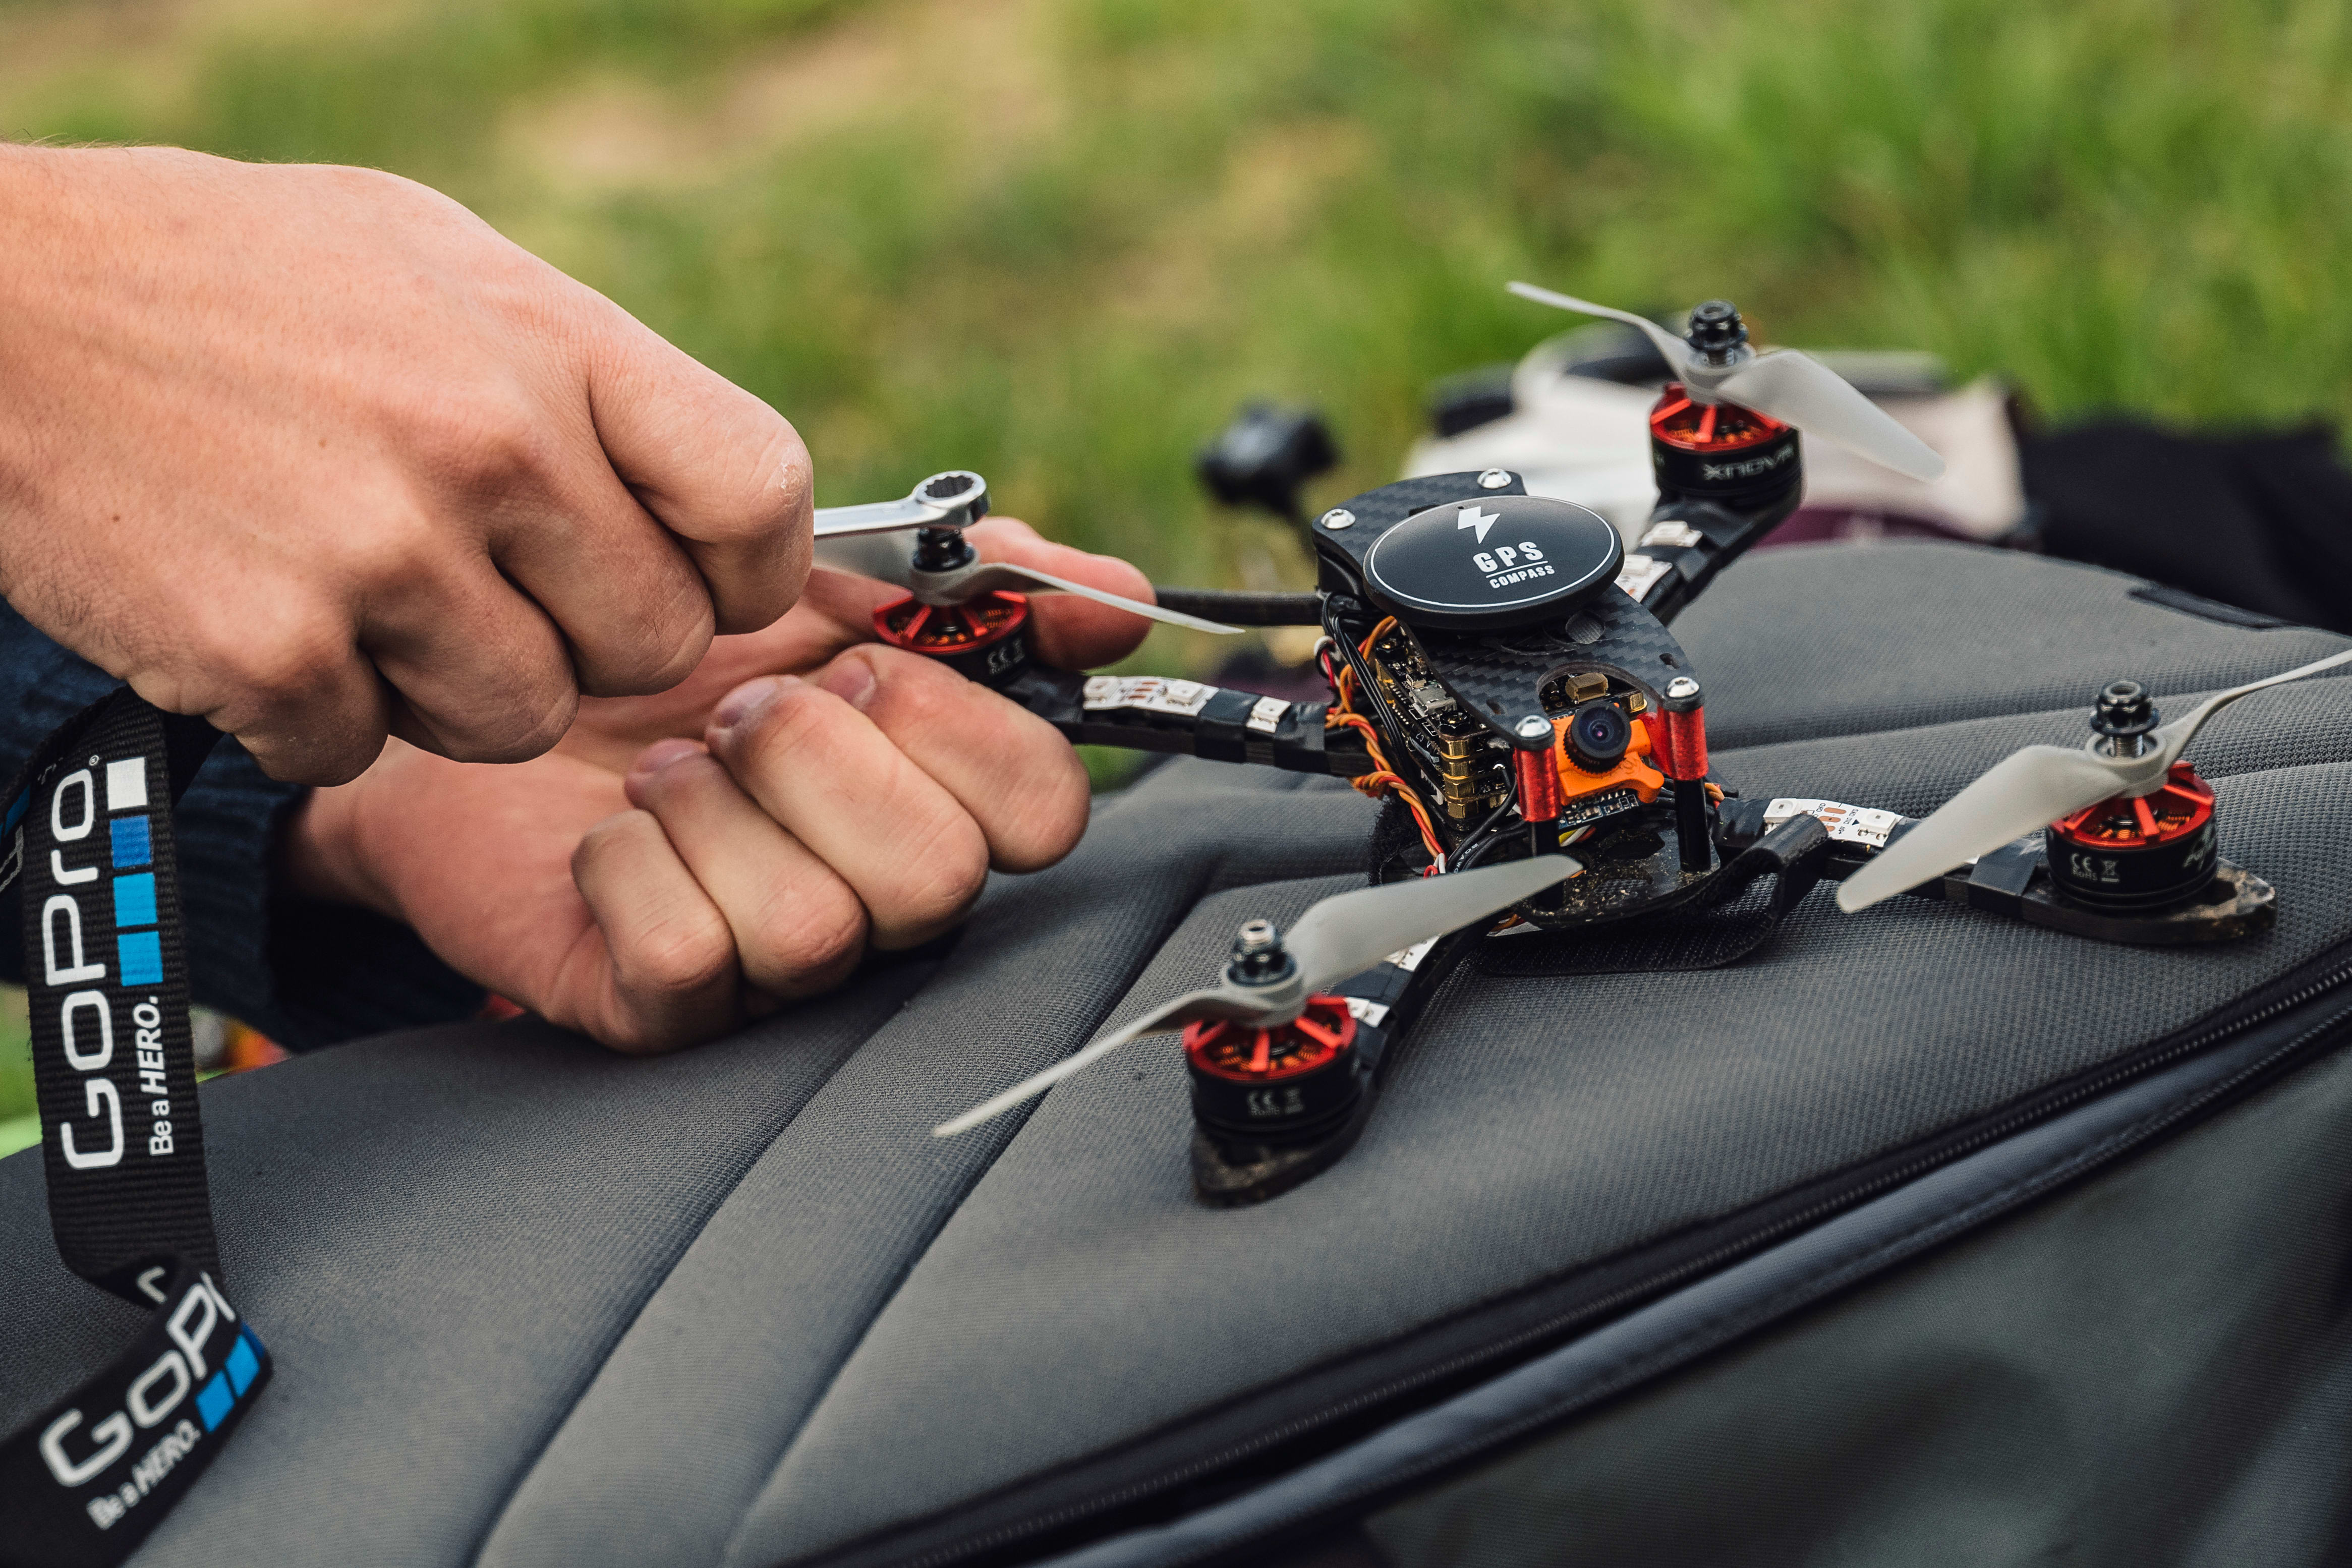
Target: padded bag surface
[(2152, 1370), (534, 1303)]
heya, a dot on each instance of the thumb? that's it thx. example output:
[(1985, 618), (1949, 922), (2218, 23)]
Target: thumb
[(723, 472)]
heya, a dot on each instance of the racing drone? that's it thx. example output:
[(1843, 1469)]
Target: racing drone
[(1502, 674)]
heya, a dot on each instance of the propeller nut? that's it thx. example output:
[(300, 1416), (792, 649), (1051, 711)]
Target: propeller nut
[(1716, 333), (2124, 713), (1258, 957), (943, 550)]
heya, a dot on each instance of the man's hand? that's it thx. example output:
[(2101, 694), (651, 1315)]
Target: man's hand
[(314, 453), (686, 860)]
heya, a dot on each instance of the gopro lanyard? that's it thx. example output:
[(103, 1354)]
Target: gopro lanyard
[(88, 840)]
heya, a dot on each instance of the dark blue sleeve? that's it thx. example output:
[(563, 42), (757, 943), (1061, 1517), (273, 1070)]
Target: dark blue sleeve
[(303, 973)]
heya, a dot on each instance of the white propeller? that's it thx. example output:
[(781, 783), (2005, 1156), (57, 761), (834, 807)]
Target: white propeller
[(1338, 936), (2033, 788), (877, 540), (1782, 383), (983, 576)]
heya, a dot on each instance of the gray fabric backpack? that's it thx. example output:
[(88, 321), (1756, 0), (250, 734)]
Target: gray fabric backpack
[(1918, 1236)]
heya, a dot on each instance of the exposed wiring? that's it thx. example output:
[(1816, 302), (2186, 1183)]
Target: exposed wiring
[(1364, 690), (1481, 838), (1383, 779)]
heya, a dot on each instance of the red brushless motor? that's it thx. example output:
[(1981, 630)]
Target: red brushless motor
[(2135, 851), (1718, 451), (1288, 1080), (985, 638)]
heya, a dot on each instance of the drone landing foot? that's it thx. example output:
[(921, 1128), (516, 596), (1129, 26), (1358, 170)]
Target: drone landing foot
[(2235, 904), (1233, 1175)]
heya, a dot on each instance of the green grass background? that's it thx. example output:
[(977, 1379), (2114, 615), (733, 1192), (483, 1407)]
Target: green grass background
[(1056, 240)]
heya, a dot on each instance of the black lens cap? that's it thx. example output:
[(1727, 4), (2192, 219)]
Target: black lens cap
[(1497, 561)]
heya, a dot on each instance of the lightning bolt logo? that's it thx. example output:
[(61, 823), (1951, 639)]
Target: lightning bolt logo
[(1473, 517)]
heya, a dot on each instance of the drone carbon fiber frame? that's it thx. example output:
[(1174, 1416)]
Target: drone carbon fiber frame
[(1469, 632)]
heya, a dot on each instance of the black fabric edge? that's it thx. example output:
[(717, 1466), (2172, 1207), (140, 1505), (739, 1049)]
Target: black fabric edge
[(1280, 1427), (2214, 610), (1688, 1326)]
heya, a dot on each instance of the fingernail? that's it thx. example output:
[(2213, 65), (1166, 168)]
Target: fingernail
[(741, 707), (662, 753), (851, 680)]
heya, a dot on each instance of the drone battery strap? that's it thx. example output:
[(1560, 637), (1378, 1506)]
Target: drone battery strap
[(88, 840)]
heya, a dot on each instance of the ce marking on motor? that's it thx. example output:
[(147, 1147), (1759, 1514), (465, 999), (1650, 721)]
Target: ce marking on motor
[(2089, 868), (1277, 1102)]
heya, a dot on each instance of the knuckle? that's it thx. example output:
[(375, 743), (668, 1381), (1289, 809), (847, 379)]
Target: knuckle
[(526, 728), (395, 545), (489, 440), (947, 870), (757, 547), (778, 494), (1052, 820), (678, 950), (678, 956), (795, 724), (379, 184), (285, 663), (914, 691), (810, 935), (511, 703), (665, 645)]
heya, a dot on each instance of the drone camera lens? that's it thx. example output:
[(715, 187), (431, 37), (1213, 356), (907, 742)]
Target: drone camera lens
[(1598, 734)]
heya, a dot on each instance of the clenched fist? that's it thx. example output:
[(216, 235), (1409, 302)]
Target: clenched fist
[(681, 863), (314, 453)]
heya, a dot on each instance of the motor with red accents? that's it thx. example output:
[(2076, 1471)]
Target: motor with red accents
[(985, 638), (1703, 448), (984, 634), (1270, 1081), (2114, 839), (2136, 851), (1502, 672), (969, 613)]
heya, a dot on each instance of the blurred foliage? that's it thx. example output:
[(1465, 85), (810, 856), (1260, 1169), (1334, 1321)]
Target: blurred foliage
[(1058, 240), (20, 1118)]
